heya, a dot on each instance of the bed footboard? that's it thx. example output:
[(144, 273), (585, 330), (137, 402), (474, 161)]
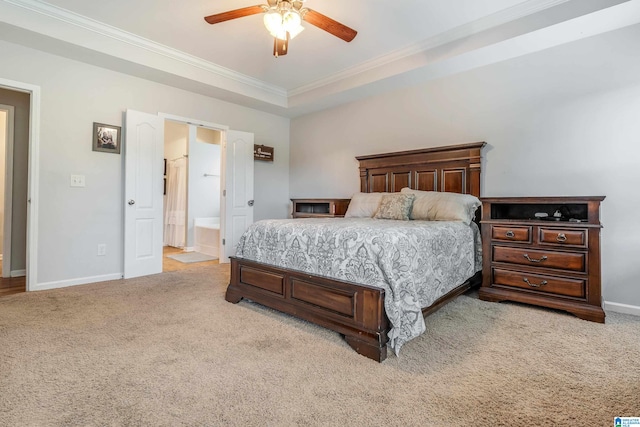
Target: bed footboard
[(355, 311)]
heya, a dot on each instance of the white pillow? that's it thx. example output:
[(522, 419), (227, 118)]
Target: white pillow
[(363, 205), (442, 206)]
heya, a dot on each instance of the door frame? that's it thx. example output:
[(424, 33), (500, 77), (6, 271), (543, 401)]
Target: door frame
[(223, 129), (8, 189), (33, 174)]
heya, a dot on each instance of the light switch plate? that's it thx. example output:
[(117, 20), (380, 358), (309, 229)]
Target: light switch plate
[(77, 180)]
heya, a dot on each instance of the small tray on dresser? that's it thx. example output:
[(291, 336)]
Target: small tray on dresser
[(553, 263)]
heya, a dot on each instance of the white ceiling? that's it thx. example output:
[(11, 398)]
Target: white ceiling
[(244, 45), (398, 42)]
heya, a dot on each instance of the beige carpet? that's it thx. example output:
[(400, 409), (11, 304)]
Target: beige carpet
[(167, 350)]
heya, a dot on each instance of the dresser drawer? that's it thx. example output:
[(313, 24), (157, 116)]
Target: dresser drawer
[(511, 234), (540, 283), (574, 261), (563, 237)]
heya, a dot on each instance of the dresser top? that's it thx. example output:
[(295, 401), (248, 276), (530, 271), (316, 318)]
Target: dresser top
[(543, 199), (551, 210)]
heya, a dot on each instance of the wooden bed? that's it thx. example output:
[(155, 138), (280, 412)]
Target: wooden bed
[(357, 311)]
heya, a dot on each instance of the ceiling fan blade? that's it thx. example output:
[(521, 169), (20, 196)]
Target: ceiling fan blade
[(329, 25), (233, 14)]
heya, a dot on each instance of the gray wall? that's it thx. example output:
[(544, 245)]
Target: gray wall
[(21, 103), (565, 121), (73, 221)]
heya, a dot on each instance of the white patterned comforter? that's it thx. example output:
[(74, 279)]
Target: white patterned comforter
[(415, 262)]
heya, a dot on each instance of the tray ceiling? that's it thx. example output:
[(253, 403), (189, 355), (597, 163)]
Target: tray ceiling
[(398, 42)]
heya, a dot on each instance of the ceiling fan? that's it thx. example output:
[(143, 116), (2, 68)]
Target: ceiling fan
[(283, 19)]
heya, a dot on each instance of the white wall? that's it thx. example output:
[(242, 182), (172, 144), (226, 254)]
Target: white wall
[(565, 121), (204, 191), (73, 221)]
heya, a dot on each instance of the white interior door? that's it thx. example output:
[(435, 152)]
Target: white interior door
[(237, 189), (144, 154)]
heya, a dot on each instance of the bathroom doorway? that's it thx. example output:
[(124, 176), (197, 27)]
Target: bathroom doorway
[(192, 196)]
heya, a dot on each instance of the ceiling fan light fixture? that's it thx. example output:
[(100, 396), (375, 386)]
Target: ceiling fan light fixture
[(279, 21), (273, 21), (295, 31), (291, 19), (284, 34), (283, 19)]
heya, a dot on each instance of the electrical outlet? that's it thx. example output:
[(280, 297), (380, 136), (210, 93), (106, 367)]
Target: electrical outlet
[(77, 181), (102, 249)]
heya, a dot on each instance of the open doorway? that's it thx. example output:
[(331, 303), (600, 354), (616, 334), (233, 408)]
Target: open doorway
[(144, 200), (192, 196), (15, 109)]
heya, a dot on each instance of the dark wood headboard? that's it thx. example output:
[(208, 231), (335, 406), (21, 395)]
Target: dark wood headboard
[(454, 168)]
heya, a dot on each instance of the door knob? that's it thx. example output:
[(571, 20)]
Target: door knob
[(250, 202), (131, 202)]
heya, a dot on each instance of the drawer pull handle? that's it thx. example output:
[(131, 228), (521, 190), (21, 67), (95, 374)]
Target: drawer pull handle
[(561, 238), (544, 258), (534, 285), (510, 234)]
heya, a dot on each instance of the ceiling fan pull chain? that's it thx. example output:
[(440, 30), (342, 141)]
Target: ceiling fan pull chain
[(281, 47)]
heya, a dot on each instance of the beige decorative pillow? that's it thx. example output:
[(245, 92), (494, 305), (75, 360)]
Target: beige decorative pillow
[(443, 206), (363, 205), (395, 206)]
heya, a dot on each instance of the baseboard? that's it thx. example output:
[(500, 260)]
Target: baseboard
[(621, 308), (74, 282), (18, 273), (208, 250)]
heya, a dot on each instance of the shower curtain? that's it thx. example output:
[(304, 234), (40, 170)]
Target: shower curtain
[(176, 203)]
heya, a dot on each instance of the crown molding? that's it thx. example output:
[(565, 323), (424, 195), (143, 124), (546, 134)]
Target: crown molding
[(490, 21), (131, 39), (607, 19), (466, 30), (487, 40)]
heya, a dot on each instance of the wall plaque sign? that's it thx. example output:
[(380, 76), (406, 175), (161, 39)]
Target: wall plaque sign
[(262, 152)]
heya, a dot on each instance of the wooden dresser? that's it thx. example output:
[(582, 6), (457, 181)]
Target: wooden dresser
[(319, 208), (543, 251)]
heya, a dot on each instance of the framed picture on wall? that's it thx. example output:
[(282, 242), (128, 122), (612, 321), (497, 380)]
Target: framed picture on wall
[(106, 138)]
